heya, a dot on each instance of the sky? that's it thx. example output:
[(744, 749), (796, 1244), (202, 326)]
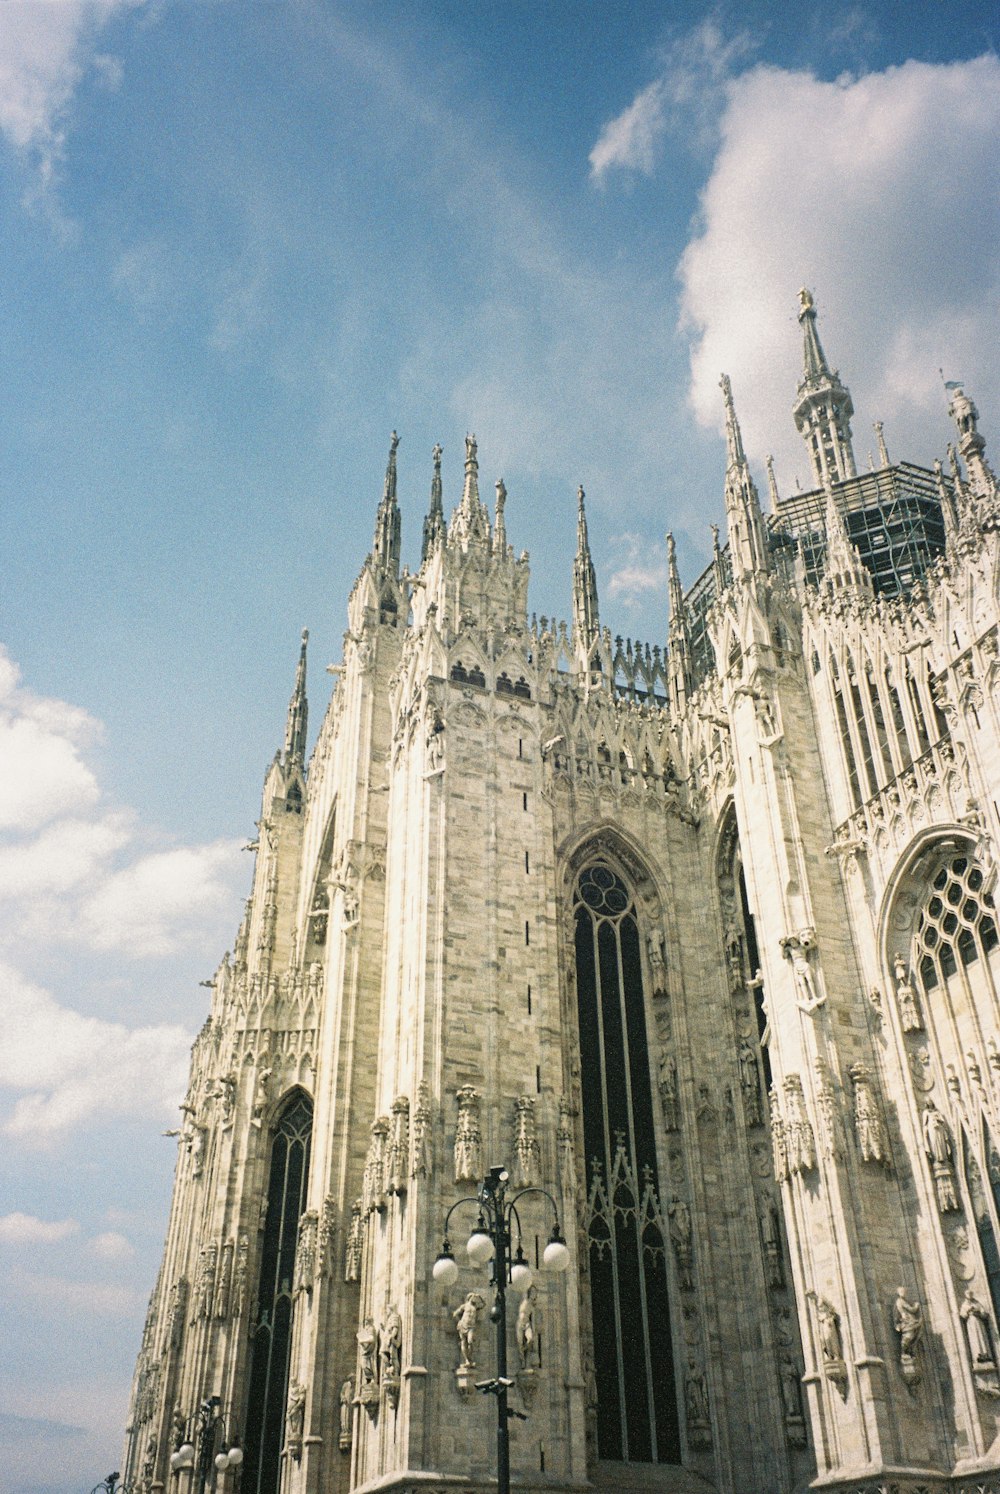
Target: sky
[(242, 243)]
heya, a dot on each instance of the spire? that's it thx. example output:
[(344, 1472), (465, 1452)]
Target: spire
[(385, 545), (298, 713), (971, 444), (843, 571), (678, 645), (586, 623), (747, 542), (499, 527), (470, 520), (772, 484), (883, 450), (434, 527), (823, 407)]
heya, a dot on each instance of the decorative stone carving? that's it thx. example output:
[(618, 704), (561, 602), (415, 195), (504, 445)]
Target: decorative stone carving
[(197, 1146), (526, 1332), (565, 1148), (906, 998), (699, 1424), (830, 1342), (227, 1097), (468, 1138), (908, 1322), (466, 1318), (295, 1418), (178, 1313), (790, 1380), (868, 1124), (397, 1167), (668, 1092), (206, 1281), (798, 1129), (796, 948), (435, 742), (367, 1339), (326, 1236), (525, 1142), (940, 1153), (390, 1354), (779, 1140), (679, 1216), (346, 1414), (770, 1234), (261, 1095), (223, 1282), (355, 1243), (655, 948), (420, 1151), (373, 1180), (750, 1083), (978, 1332), (826, 1107), (304, 1274), (241, 1276)]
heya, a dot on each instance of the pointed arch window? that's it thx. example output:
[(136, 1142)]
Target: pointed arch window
[(272, 1328), (637, 1417)]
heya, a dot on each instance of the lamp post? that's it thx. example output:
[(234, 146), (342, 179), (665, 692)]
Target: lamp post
[(211, 1433), (112, 1485), (491, 1240)]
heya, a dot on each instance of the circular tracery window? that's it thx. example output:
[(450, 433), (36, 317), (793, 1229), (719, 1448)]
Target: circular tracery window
[(958, 923), (603, 892)]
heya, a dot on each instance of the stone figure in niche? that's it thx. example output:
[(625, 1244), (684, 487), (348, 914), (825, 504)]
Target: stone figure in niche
[(295, 1419), (867, 1117), (940, 1153), (178, 1428), (796, 948), (355, 1243), (227, 1095), (420, 1158), (367, 1337), (564, 1144), (657, 963), (679, 1216), (346, 1405), (791, 1394), (240, 1276), (906, 998), (149, 1462), (750, 1084), (527, 1338), (831, 1344), (468, 1138), (196, 1146), (261, 1093), (770, 1232), (525, 1141), (976, 1318), (908, 1321), (696, 1406), (435, 742), (467, 1318), (668, 1092), (391, 1343)]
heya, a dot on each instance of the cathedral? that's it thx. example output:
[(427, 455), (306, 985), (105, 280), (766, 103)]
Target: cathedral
[(697, 942)]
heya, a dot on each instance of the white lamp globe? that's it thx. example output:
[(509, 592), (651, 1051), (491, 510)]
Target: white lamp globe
[(185, 1455), (235, 1457), (222, 1461), (445, 1270), (480, 1247), (521, 1276), (555, 1256)]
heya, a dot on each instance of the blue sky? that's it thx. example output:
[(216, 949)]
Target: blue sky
[(241, 244)]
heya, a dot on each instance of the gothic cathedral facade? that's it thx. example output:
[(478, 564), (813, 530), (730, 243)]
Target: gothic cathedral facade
[(701, 940)]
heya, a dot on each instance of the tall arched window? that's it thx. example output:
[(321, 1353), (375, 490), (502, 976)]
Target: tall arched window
[(633, 1360), (272, 1333)]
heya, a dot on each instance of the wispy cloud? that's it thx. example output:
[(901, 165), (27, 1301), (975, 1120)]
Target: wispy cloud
[(25, 1229), (639, 569)]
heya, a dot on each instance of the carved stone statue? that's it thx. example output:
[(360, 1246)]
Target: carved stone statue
[(525, 1141), (976, 1318), (295, 1418), (796, 949), (355, 1243), (420, 1161), (831, 1344), (908, 1321), (679, 1216), (468, 1138), (467, 1324), (668, 1092), (367, 1338), (867, 1117), (196, 1147), (346, 1413), (699, 1426), (390, 1352), (940, 1153), (527, 1346), (770, 1233), (750, 1084), (564, 1145), (906, 998), (657, 963)]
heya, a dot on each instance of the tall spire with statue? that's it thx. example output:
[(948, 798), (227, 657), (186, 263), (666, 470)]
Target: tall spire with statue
[(386, 544), (586, 621), (823, 406), (434, 525), (298, 713), (747, 538)]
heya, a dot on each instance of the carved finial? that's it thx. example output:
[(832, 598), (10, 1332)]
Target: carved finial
[(298, 712)]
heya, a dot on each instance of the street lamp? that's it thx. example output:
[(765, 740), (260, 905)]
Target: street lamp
[(211, 1434), (112, 1485), (490, 1240)]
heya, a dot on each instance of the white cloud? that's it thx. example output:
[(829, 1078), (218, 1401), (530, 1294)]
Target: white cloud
[(163, 900), (65, 1065), (639, 569), (25, 1229), (880, 194), (46, 47), (40, 743), (685, 99), (111, 1246)]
